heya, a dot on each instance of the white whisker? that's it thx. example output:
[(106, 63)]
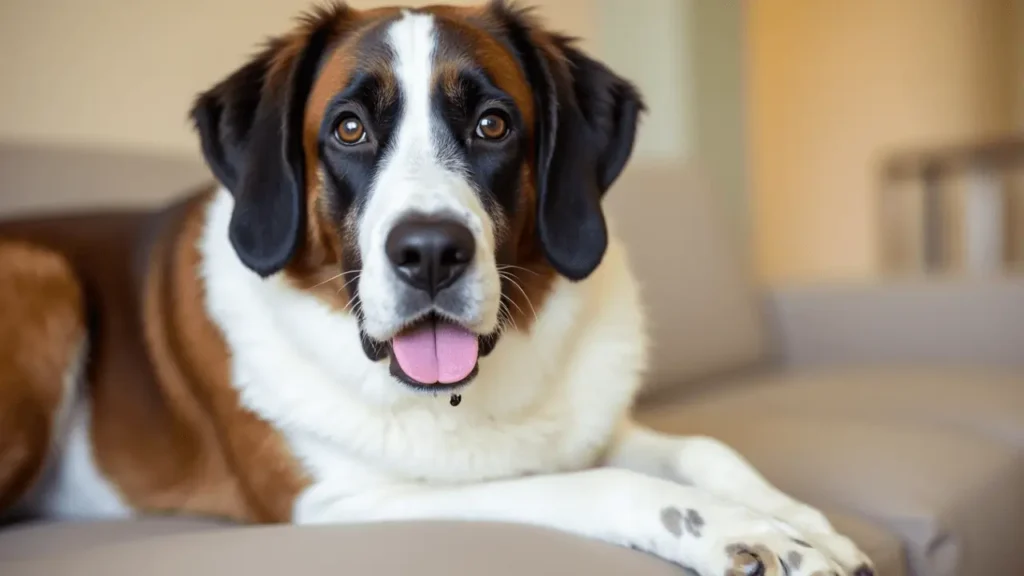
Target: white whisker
[(513, 267), (502, 307), (513, 302), (332, 278), (523, 292), (345, 285)]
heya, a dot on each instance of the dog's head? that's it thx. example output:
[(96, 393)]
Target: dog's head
[(430, 171)]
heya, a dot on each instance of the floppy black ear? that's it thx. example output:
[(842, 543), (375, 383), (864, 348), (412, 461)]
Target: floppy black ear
[(586, 127), (250, 130)]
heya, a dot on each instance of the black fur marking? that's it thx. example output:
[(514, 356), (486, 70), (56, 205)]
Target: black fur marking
[(250, 129), (586, 125), (494, 167), (350, 170)]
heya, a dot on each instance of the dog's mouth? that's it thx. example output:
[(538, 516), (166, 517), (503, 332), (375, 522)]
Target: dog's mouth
[(435, 353)]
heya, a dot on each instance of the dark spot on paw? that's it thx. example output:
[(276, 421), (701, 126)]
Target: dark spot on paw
[(694, 522), (672, 520), (794, 559)]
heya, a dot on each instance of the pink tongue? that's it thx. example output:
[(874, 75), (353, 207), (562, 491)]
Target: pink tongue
[(438, 352)]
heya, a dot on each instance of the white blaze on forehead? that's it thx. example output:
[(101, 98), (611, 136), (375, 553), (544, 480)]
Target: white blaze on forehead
[(413, 43)]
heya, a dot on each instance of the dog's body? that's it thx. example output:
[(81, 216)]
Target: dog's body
[(402, 301)]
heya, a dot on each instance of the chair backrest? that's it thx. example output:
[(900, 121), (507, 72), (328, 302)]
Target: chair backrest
[(703, 310)]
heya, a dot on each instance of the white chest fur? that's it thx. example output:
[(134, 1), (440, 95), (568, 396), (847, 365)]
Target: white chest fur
[(544, 401)]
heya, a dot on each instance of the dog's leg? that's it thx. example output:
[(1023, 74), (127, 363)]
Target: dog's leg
[(711, 465), (679, 523), (42, 338)]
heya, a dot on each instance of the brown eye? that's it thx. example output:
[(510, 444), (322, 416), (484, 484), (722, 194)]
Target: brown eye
[(350, 131), (491, 127)]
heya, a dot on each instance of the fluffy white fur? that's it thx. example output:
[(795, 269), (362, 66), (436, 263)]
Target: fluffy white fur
[(543, 401)]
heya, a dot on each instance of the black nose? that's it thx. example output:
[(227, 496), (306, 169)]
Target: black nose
[(430, 254)]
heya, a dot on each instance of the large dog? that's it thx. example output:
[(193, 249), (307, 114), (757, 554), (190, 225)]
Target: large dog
[(402, 301)]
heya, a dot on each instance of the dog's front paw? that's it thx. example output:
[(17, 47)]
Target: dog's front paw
[(743, 543), (841, 550), (817, 532), (773, 554)]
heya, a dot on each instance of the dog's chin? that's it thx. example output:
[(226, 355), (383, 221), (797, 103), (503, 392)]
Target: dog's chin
[(433, 353)]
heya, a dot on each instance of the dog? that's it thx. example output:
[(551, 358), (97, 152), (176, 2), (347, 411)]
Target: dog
[(400, 300)]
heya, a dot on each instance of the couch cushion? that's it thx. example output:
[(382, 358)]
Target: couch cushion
[(989, 402), (36, 540), (386, 549), (425, 548), (701, 305), (926, 457)]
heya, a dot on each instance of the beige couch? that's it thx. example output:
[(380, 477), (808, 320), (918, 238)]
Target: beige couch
[(898, 408)]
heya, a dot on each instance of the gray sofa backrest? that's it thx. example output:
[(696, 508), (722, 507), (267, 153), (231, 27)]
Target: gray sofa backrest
[(37, 178), (702, 308)]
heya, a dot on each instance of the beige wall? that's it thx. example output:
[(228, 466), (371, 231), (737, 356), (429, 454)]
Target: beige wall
[(123, 72), (833, 86), (718, 40)]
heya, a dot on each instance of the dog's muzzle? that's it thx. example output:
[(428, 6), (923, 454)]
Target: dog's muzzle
[(430, 255)]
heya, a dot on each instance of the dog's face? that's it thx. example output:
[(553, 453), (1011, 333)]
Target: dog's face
[(430, 171)]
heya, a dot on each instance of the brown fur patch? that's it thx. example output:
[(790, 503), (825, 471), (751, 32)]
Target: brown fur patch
[(269, 477), (468, 25), (185, 444), (42, 333)]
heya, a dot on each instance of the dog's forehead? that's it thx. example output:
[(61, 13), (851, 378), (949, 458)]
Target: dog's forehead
[(443, 40)]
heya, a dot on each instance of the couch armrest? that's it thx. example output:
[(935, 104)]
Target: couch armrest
[(935, 322)]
